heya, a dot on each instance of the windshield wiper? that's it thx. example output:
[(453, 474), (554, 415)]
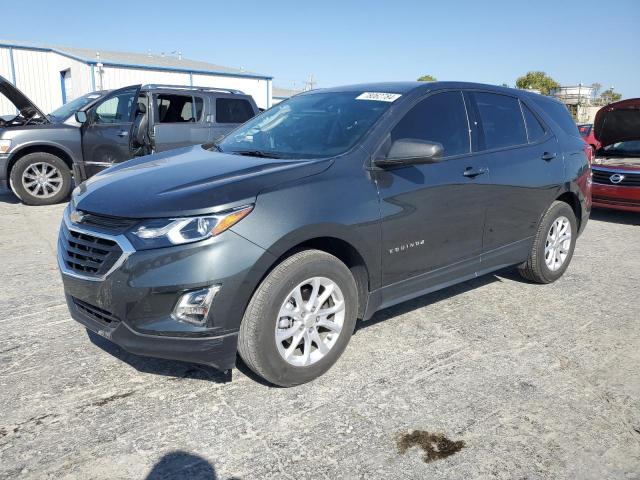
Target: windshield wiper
[(256, 153)]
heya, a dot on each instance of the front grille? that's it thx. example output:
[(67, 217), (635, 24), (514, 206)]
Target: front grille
[(88, 254), (91, 311), (604, 177), (112, 224)]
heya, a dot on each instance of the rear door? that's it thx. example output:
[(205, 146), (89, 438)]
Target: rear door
[(526, 167), (106, 135), (230, 112), (179, 120)]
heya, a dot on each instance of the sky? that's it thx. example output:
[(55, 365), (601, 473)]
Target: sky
[(344, 42)]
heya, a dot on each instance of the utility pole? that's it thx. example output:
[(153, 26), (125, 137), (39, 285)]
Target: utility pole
[(309, 84)]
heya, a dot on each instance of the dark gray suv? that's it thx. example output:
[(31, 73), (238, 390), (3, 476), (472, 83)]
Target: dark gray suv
[(320, 211), (39, 154)]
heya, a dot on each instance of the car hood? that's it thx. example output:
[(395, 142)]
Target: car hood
[(618, 162), (618, 122), (187, 181), (25, 106)]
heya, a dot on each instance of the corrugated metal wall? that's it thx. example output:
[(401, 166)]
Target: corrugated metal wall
[(259, 89), (37, 74)]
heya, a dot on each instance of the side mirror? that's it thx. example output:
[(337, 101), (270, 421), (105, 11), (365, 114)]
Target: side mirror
[(411, 151), (81, 116)]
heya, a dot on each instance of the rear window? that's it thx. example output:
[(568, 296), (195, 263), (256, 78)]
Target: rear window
[(178, 108), (502, 120), (558, 113), (233, 110)]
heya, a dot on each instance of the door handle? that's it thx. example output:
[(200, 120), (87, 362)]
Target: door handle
[(123, 133), (548, 156), (471, 172)]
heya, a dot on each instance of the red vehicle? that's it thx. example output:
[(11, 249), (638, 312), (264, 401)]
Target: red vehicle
[(616, 166), (586, 131)]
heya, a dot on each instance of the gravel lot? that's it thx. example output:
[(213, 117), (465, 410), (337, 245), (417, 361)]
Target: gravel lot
[(537, 381)]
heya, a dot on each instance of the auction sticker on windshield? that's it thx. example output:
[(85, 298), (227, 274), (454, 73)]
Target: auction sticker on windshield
[(379, 96)]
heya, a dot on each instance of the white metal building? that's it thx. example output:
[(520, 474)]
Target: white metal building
[(281, 94), (51, 76)]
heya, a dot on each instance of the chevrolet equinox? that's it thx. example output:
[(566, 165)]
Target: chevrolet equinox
[(320, 211)]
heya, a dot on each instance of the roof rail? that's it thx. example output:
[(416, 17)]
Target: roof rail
[(193, 88)]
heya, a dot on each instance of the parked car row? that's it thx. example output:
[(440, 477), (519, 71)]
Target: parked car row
[(41, 155)]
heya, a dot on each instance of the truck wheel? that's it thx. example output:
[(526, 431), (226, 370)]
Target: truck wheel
[(41, 179), (553, 245), (299, 319)]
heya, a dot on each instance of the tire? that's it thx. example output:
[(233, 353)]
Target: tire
[(54, 169), (257, 343), (546, 266)]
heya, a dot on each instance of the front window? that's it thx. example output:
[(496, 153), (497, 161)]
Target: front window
[(73, 106), (308, 126), (625, 149)]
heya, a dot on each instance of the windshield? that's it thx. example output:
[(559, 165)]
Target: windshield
[(631, 148), (73, 106), (584, 130), (308, 126)]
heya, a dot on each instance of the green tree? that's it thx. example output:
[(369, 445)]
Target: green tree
[(427, 78), (609, 96), (537, 81)]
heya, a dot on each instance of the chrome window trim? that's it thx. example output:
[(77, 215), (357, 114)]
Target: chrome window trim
[(122, 241)]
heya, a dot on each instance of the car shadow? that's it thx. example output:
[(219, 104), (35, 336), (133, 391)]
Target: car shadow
[(181, 465), (438, 296), (160, 366), (7, 196), (615, 216)]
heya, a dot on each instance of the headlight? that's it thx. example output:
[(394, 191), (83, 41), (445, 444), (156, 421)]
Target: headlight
[(5, 145), (165, 232)]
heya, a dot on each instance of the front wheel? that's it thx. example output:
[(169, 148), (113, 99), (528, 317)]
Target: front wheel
[(300, 319), (41, 179), (553, 245)]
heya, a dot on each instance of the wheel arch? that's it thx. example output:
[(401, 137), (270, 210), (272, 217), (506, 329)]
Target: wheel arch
[(571, 199), (342, 248), (52, 149)]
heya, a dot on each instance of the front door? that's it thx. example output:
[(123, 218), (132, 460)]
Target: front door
[(433, 214), (106, 135)]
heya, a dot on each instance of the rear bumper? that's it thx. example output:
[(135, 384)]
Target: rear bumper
[(616, 197)]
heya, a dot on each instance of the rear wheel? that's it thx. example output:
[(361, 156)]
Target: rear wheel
[(300, 319), (41, 179), (553, 245)]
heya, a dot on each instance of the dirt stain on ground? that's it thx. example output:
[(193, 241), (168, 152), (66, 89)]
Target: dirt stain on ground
[(434, 445)]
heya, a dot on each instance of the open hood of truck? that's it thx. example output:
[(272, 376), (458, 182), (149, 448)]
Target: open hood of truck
[(618, 122), (25, 106)]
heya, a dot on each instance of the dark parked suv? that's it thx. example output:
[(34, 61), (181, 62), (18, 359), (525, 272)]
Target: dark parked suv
[(322, 210), (39, 153)]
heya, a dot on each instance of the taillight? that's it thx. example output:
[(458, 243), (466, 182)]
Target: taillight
[(588, 151)]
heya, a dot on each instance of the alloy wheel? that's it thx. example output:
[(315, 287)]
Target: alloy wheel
[(558, 243), (310, 321), (42, 180)]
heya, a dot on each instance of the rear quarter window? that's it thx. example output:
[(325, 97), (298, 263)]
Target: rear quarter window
[(559, 114), (233, 110)]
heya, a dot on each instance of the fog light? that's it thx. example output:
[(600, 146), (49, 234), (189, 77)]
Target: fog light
[(193, 307)]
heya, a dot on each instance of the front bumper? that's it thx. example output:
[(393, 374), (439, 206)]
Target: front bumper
[(132, 304), (616, 197), (4, 173)]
